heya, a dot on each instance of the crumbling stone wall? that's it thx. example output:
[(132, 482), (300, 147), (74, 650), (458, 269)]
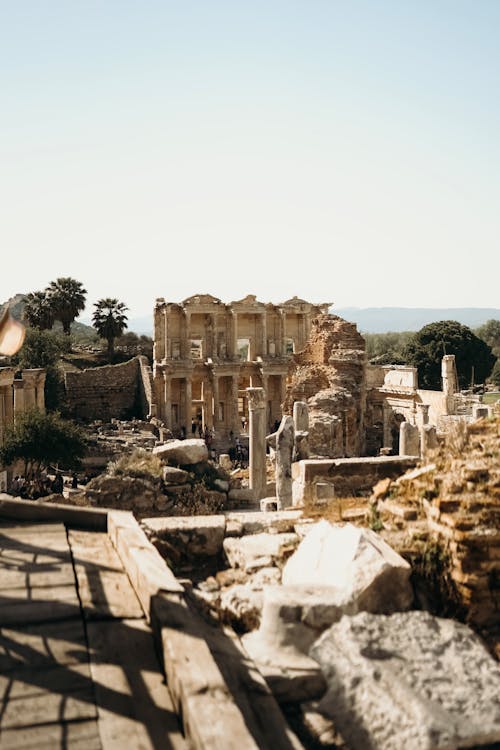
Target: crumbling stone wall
[(329, 373), (105, 392), (459, 496)]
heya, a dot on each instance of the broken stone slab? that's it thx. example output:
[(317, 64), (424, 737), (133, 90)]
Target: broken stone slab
[(409, 680), (259, 550), (253, 522), (354, 560), (270, 504), (280, 646), (192, 535), (174, 475), (182, 452)]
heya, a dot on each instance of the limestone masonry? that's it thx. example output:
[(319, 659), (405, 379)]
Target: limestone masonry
[(207, 353)]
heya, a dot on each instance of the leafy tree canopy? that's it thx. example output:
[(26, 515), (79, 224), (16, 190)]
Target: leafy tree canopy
[(67, 299), (41, 440), (490, 332), (40, 349), (109, 320), (473, 357), (38, 311)]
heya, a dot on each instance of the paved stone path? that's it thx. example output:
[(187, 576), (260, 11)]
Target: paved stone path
[(77, 663)]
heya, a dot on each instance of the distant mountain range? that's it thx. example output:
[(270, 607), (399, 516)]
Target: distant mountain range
[(384, 319), (368, 319), (381, 319)]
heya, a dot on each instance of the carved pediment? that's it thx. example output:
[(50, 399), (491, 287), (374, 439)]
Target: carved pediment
[(201, 299)]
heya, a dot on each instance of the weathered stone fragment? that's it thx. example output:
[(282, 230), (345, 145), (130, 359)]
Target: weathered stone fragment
[(259, 550), (409, 440), (355, 561), (301, 416), (182, 452), (174, 475), (284, 451), (192, 535), (410, 680)]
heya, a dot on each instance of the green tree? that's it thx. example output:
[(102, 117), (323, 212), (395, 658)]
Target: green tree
[(67, 298), (495, 374), (41, 440), (490, 332), (473, 357), (44, 349), (38, 311), (109, 320)]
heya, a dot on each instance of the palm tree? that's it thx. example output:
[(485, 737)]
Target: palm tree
[(110, 321), (67, 298), (38, 311)]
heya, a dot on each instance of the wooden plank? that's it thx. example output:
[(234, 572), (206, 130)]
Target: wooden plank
[(77, 735), (219, 698), (134, 705), (104, 588), (145, 567), (82, 518), (38, 605), (212, 720), (42, 644), (40, 696)]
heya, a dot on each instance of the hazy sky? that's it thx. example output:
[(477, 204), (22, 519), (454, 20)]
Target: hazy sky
[(344, 151)]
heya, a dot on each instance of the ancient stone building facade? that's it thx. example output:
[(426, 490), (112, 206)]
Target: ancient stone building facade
[(207, 353), (17, 395)]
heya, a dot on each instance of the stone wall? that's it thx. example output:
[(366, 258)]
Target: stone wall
[(329, 373), (345, 476), (105, 392)]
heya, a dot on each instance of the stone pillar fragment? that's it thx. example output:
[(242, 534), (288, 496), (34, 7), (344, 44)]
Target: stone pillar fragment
[(257, 442), (284, 451), (301, 416), (409, 440)]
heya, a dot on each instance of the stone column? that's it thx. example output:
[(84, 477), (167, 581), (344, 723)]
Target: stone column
[(257, 444), (284, 451), (233, 406), (208, 405), (409, 440), (233, 335), (263, 338), (387, 426), (18, 397), (301, 427), (281, 346), (422, 414), (185, 335), (282, 391), (187, 405), (448, 375), (159, 332), (40, 391), (167, 400), (215, 396), (301, 416), (9, 405)]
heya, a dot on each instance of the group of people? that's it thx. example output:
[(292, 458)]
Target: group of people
[(32, 488)]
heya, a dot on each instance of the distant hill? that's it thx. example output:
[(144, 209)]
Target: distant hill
[(16, 307), (384, 319)]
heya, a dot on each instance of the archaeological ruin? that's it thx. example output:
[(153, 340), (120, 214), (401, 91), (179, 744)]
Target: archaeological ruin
[(207, 353)]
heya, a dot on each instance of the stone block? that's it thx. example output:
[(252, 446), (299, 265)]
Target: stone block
[(182, 452), (197, 535), (270, 504), (410, 680), (259, 550), (356, 561), (174, 475)]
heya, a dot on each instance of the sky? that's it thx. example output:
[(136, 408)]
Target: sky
[(342, 151)]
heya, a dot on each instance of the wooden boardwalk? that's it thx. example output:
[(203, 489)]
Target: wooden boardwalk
[(77, 661)]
